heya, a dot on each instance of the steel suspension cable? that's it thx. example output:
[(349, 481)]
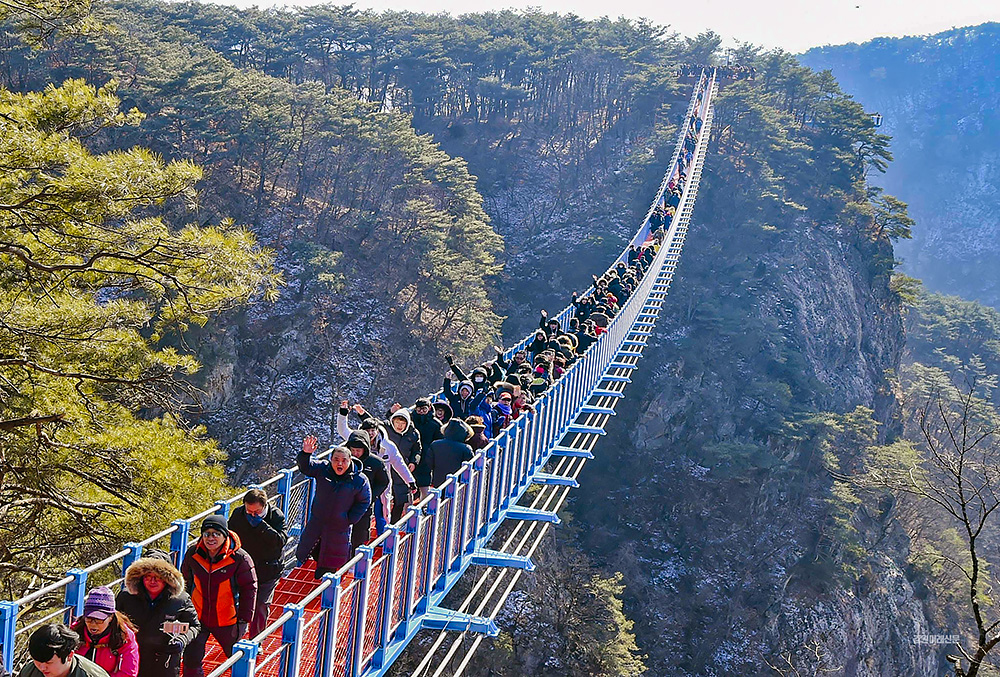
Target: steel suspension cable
[(422, 667)]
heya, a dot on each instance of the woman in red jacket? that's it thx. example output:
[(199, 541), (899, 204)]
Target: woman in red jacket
[(107, 636)]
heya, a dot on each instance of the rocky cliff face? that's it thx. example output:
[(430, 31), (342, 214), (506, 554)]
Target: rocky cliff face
[(938, 97), (280, 371), (712, 508)]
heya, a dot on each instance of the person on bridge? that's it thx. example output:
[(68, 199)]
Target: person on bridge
[(107, 636), (374, 470), (585, 337), (584, 306), (447, 455), (550, 326), (481, 376), (401, 432), (523, 400), (261, 528), (466, 401), (429, 429), (478, 440), (541, 376), (674, 198), (343, 497), (503, 410), (52, 650), (537, 345), (153, 598), (382, 448), (221, 579), (443, 413), (481, 384), (520, 357)]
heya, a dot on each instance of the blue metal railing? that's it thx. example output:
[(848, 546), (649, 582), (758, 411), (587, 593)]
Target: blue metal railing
[(374, 605)]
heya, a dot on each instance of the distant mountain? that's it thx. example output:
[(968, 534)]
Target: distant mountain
[(939, 97)]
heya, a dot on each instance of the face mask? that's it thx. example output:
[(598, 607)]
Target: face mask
[(254, 520)]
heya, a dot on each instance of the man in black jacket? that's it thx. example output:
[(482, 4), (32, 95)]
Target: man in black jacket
[(261, 528), (378, 478), (429, 429), (447, 455)]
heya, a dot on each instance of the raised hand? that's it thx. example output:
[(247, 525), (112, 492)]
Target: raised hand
[(309, 444), (396, 406), (358, 409)]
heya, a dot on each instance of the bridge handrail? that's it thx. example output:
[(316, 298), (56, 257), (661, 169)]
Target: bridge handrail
[(643, 232), (497, 477), (536, 426)]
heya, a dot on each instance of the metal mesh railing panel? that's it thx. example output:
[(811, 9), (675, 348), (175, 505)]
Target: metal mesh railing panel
[(461, 496), (346, 619), (296, 504), (478, 506), (404, 556), (441, 542), (423, 549), (374, 607)]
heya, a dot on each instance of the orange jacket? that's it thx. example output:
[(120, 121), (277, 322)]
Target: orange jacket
[(223, 588)]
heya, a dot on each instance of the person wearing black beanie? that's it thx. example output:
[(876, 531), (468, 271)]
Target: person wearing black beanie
[(221, 578)]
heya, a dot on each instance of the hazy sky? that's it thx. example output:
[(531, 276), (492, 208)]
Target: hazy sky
[(795, 25)]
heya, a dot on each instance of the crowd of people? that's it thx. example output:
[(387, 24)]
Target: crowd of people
[(159, 624), (385, 464), (730, 71), (222, 589)]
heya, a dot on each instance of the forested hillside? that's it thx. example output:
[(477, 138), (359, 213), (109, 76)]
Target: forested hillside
[(938, 96), (403, 182), (383, 257), (775, 372)]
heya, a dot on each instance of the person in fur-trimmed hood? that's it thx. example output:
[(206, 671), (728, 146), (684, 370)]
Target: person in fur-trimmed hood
[(154, 595)]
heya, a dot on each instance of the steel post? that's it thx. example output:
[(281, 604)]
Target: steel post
[(76, 592)]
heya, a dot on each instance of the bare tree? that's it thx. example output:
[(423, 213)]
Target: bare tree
[(810, 659), (953, 470)]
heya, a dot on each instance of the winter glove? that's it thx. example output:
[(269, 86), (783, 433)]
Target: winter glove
[(241, 629), (414, 493), (545, 313), (449, 359), (175, 645)]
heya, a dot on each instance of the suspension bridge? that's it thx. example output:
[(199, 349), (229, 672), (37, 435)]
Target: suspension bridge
[(357, 621)]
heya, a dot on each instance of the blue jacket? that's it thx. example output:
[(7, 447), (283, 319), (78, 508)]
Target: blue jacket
[(485, 410), (463, 408)]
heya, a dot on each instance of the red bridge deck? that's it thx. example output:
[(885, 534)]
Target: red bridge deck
[(292, 589)]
